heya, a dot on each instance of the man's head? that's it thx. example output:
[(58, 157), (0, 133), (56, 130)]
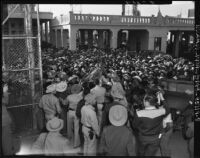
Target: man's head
[(150, 100)]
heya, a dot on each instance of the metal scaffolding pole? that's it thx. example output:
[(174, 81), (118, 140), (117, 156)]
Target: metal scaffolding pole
[(31, 61), (39, 48)]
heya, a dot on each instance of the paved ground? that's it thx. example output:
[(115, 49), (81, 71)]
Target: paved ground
[(177, 144)]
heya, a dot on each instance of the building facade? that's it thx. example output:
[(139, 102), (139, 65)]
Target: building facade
[(15, 24), (166, 34)]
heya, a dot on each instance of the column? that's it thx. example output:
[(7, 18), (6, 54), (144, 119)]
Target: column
[(151, 41), (46, 32), (61, 32), (164, 43), (56, 38), (177, 37), (114, 38), (72, 38)]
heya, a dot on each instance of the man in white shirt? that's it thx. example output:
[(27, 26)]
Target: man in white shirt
[(72, 121), (90, 125), (99, 93)]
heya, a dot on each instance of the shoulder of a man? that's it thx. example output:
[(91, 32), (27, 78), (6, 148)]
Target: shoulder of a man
[(151, 113)]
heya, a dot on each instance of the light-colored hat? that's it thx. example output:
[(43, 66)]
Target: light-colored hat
[(76, 89), (51, 88), (137, 77), (90, 98), (61, 87), (55, 124), (118, 115), (72, 77)]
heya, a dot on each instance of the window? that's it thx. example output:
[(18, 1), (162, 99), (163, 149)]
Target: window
[(157, 43)]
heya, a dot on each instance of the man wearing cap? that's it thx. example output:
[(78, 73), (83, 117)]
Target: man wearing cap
[(90, 126), (50, 103), (52, 143), (117, 139), (72, 121)]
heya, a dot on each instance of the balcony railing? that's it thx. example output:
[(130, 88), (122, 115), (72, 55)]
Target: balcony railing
[(94, 19)]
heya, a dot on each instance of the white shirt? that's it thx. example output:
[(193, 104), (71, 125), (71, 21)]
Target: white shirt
[(99, 92), (89, 118)]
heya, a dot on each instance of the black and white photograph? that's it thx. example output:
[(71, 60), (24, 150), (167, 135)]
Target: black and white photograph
[(99, 79)]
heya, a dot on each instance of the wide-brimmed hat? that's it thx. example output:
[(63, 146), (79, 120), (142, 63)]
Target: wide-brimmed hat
[(51, 88), (118, 115), (76, 88), (54, 124), (61, 87)]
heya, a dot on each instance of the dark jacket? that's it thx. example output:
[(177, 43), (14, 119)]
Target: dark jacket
[(149, 122), (117, 141)]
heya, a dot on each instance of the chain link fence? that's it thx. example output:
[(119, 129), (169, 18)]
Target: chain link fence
[(24, 81)]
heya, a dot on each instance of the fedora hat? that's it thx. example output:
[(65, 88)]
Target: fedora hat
[(55, 124), (51, 88), (61, 87), (76, 89), (118, 115)]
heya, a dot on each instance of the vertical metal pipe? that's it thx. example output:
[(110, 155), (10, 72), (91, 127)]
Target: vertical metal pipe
[(30, 51), (39, 49)]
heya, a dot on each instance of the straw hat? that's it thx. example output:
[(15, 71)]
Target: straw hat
[(76, 89), (51, 88), (61, 87), (54, 124), (118, 115)]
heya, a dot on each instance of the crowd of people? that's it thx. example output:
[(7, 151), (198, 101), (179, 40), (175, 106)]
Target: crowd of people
[(108, 103)]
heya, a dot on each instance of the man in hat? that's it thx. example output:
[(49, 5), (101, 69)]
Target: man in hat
[(72, 121), (52, 142), (117, 139), (90, 126), (50, 103), (61, 94), (119, 99)]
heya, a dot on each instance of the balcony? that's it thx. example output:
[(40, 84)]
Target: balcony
[(128, 20), (94, 19)]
